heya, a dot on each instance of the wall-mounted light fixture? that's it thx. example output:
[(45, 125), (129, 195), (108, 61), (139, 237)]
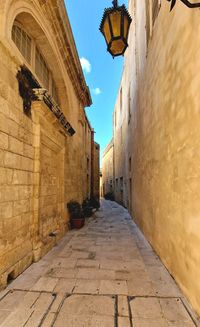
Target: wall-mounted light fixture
[(115, 26), (186, 2)]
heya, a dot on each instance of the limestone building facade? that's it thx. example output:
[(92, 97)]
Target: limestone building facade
[(45, 138), (96, 171), (156, 135), (107, 170)]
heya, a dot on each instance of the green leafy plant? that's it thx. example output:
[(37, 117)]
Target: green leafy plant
[(87, 208), (95, 203), (109, 196), (74, 209)]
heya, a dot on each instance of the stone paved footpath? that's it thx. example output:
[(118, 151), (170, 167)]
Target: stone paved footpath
[(104, 275)]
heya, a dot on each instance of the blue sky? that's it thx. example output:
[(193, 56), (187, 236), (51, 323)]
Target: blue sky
[(102, 73)]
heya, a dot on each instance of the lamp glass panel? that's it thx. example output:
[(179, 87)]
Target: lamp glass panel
[(126, 26), (115, 18), (117, 47), (106, 30)]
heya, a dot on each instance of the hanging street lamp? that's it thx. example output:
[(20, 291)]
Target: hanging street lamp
[(186, 2), (115, 26)]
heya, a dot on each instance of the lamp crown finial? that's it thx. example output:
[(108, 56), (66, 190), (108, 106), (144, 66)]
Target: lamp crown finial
[(115, 3)]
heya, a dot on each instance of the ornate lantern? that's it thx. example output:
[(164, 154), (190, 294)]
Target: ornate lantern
[(115, 28)]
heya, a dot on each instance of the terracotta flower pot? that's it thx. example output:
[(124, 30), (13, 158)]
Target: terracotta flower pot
[(77, 223)]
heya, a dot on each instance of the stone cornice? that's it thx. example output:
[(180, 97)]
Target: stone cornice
[(56, 13), (30, 91), (43, 95)]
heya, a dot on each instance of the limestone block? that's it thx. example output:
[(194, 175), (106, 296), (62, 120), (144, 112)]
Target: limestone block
[(36, 166), (3, 141), (87, 286), (123, 310), (25, 135), (16, 115), (20, 177), (113, 287), (65, 286), (88, 305), (4, 124), (46, 284), (21, 206), (6, 175), (124, 322), (12, 225), (15, 145), (28, 151), (12, 160), (4, 107), (25, 192), (27, 164), (4, 91), (9, 193), (6, 210), (13, 128), (1, 157)]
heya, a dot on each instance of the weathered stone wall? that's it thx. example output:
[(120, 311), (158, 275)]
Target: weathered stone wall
[(16, 174), (41, 168), (120, 142), (163, 137), (107, 170), (96, 170)]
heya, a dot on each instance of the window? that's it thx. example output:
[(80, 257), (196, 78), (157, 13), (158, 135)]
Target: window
[(111, 185), (121, 184), (130, 164), (41, 69), (22, 41), (117, 184), (130, 195), (28, 47)]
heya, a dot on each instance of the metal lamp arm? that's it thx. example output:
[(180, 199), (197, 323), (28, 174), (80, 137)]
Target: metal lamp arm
[(186, 3), (191, 5)]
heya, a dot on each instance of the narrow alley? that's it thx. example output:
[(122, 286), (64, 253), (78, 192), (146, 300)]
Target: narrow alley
[(105, 274)]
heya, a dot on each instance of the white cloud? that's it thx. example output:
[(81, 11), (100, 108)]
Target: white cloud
[(97, 91), (86, 65)]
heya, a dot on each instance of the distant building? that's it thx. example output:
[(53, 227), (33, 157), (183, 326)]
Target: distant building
[(96, 170), (107, 170)]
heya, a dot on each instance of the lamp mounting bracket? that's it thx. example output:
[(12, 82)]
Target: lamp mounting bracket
[(186, 3)]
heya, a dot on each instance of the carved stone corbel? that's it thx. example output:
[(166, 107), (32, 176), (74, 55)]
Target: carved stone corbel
[(26, 83)]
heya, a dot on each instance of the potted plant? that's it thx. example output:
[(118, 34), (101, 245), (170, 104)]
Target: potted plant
[(77, 219), (87, 208), (95, 203), (109, 196)]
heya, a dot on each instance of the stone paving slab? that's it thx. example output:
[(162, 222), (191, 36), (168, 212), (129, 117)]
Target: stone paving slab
[(104, 275)]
